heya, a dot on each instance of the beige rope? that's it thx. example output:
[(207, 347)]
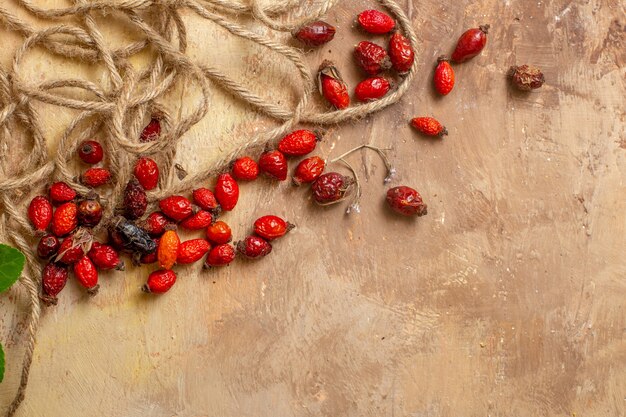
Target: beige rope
[(117, 110)]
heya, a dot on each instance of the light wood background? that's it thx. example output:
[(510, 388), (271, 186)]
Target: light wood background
[(507, 299)]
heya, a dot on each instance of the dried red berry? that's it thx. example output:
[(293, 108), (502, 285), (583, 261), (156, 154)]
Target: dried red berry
[(315, 33), (71, 250), (96, 177), (90, 152), (155, 223), (53, 279), (274, 165), (167, 251), (372, 89), (64, 219), (86, 273), (147, 172), (271, 227), (152, 131), (526, 77), (48, 245), (429, 126), (444, 76), (200, 220), (308, 170), (406, 201), (89, 212), (206, 200), (61, 193), (219, 233), (371, 58), (331, 187), (135, 200), (40, 212), (176, 207), (191, 251), (375, 21), (254, 247), (470, 44), (226, 191), (150, 258), (332, 87), (220, 255), (245, 169), (299, 142), (160, 281), (105, 257), (401, 53)]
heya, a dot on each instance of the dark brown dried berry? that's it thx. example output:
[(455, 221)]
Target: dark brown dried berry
[(135, 200), (526, 77), (89, 213), (48, 246), (131, 237), (331, 188)]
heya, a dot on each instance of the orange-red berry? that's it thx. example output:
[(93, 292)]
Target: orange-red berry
[(64, 219), (160, 281), (152, 131), (48, 246), (155, 223), (60, 193), (245, 169), (331, 187), (308, 170), (105, 257), (192, 250), (206, 200), (375, 21), (86, 274), (444, 76), (96, 177), (197, 221), (53, 280), (176, 207), (167, 251), (271, 227), (429, 126), (40, 212), (298, 143), (219, 233)]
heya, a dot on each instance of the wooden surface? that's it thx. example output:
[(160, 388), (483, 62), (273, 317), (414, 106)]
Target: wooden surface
[(507, 299)]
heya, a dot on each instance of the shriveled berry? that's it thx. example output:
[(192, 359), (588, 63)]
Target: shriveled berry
[(160, 281), (149, 258), (191, 251), (226, 191), (48, 246), (429, 126), (152, 131), (444, 76), (96, 177), (406, 201), (526, 77), (117, 241), (315, 33), (60, 193), (206, 200), (167, 251), (105, 257), (64, 219), (372, 89), (53, 280), (87, 274), (40, 212), (90, 152), (245, 169), (155, 223), (299, 142), (308, 170), (376, 22), (331, 86), (253, 247), (371, 58), (470, 44), (71, 250), (401, 53), (135, 200), (147, 173), (274, 165), (219, 233), (176, 207), (271, 227), (130, 237), (89, 212), (220, 255), (331, 187), (200, 220)]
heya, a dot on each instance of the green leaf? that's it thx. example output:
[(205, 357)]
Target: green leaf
[(1, 363), (11, 265)]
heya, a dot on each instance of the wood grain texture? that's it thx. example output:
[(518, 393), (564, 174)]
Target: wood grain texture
[(507, 299)]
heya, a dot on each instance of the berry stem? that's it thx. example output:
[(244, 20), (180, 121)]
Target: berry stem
[(391, 171), (354, 206)]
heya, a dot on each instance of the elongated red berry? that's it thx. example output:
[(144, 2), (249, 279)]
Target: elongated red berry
[(274, 165), (89, 212), (271, 227), (205, 199), (86, 274), (376, 22), (152, 131), (135, 200), (332, 87), (245, 169), (53, 280), (176, 207), (406, 201), (444, 76), (371, 58), (200, 220), (90, 152), (299, 142), (308, 170), (429, 126), (96, 177), (226, 191), (219, 233), (105, 257), (64, 219), (40, 212), (315, 33), (470, 44), (60, 193), (167, 251), (254, 247), (48, 246), (372, 89), (155, 223), (220, 255), (160, 281), (147, 173), (331, 188), (71, 250), (401, 53), (191, 251)]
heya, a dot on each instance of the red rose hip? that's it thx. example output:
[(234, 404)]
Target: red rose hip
[(197, 221), (332, 87), (245, 169), (64, 219), (271, 227), (298, 143), (376, 22), (254, 247), (220, 255), (176, 207), (90, 152), (160, 281), (147, 173), (444, 76), (372, 89), (371, 58), (406, 201), (87, 275), (315, 33), (308, 170), (274, 165), (401, 53), (152, 131), (40, 213), (105, 257), (96, 177), (331, 187), (470, 44), (48, 246), (227, 191), (429, 126), (53, 280), (89, 212), (135, 200), (206, 200), (155, 223), (219, 233), (191, 251), (60, 193)]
